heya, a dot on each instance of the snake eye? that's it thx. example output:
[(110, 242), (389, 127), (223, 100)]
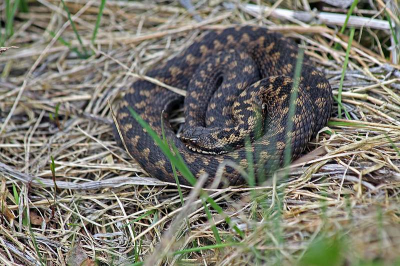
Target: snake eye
[(264, 106)]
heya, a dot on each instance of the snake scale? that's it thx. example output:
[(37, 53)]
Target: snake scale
[(238, 83)]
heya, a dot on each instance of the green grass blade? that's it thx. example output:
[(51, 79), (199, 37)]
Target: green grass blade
[(68, 44), (250, 161), (35, 244), (325, 251), (99, 16), (140, 217), (287, 155), (74, 28), (23, 6), (220, 211), (211, 221), (179, 163), (213, 204), (344, 109), (178, 184), (138, 250), (392, 30), (60, 39), (10, 11), (210, 247), (15, 194), (343, 124), (346, 61), (189, 176), (9, 19), (292, 108), (353, 5), (393, 144), (13, 12), (176, 159)]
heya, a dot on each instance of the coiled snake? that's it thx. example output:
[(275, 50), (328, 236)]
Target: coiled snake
[(239, 81)]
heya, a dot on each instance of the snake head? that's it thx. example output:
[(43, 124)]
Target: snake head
[(202, 140)]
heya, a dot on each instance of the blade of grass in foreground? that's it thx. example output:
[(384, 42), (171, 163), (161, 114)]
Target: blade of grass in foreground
[(207, 248), (353, 5), (23, 6), (324, 251), (346, 61), (179, 163), (99, 16), (392, 30), (211, 221), (393, 145), (140, 217), (344, 124), (174, 171), (292, 109), (64, 42), (85, 53), (35, 244), (250, 162), (287, 155), (172, 165), (10, 10), (203, 196), (341, 105)]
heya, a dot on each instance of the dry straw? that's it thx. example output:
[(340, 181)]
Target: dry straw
[(344, 191)]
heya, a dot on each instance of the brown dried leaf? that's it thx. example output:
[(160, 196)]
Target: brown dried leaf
[(36, 219), (88, 262), (3, 204)]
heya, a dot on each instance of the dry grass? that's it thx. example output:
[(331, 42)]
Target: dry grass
[(106, 209)]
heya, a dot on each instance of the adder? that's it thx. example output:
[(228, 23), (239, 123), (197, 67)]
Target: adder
[(239, 82)]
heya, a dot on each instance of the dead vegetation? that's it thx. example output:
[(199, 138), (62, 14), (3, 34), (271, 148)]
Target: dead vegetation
[(340, 202)]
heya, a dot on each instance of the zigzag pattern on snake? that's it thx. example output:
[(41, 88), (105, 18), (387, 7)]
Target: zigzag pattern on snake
[(239, 81)]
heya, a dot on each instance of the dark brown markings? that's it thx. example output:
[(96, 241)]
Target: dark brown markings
[(274, 61)]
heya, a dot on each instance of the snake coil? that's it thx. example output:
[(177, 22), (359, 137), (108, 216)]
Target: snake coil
[(239, 81)]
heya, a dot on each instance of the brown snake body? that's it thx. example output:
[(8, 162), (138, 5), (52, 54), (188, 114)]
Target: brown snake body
[(238, 81)]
